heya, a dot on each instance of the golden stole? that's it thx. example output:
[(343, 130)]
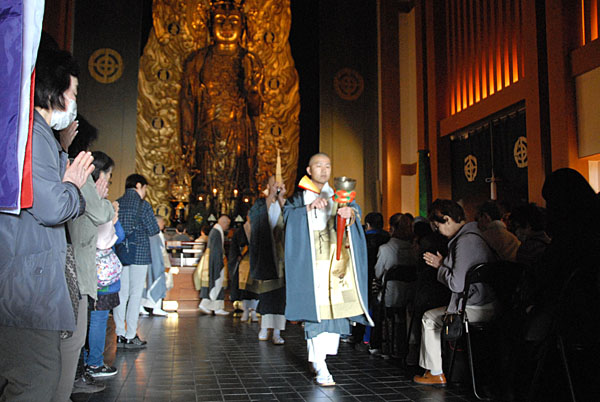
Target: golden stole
[(336, 287)]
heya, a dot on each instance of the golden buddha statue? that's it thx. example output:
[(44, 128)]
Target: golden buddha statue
[(221, 96)]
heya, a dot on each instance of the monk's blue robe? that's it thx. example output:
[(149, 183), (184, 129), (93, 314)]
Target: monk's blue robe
[(324, 293)]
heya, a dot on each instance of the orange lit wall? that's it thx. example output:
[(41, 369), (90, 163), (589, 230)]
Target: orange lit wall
[(58, 22), (485, 52), (589, 21)]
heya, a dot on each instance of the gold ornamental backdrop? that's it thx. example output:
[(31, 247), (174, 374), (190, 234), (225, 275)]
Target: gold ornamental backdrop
[(180, 28)]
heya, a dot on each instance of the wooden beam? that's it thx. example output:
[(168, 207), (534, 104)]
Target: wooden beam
[(585, 58)]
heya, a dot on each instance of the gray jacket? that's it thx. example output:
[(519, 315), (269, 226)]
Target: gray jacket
[(84, 235), (33, 290), (466, 249), (395, 252)]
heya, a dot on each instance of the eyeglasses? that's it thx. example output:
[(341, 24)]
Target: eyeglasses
[(438, 219)]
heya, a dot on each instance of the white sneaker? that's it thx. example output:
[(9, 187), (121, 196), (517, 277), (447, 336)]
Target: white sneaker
[(159, 312), (277, 339), (204, 310), (253, 315), (322, 375), (325, 380), (221, 312), (263, 335), (245, 316), (143, 311)]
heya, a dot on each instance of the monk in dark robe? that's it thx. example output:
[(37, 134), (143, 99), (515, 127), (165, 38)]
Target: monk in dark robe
[(209, 277)]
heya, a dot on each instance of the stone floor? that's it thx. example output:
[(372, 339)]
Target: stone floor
[(203, 358)]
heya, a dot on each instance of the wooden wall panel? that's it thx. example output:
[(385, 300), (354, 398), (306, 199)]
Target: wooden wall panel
[(483, 42), (58, 22)]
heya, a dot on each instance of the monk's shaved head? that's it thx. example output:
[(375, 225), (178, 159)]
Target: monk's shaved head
[(318, 155)]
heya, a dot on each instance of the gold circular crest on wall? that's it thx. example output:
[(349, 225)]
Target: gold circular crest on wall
[(348, 84), (163, 210), (105, 65), (520, 152), (470, 168)]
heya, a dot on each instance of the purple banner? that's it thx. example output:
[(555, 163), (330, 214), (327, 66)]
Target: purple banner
[(11, 54)]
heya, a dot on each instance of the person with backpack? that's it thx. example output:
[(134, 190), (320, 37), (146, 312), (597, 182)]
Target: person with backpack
[(108, 270), (137, 218)]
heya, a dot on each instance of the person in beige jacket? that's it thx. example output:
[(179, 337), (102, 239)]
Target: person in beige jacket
[(82, 233)]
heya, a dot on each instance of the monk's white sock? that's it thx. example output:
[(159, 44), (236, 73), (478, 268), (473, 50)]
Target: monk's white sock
[(263, 334), (320, 368)]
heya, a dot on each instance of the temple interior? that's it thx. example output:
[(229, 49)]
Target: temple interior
[(416, 100)]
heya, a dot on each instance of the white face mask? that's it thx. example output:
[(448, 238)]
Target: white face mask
[(62, 118)]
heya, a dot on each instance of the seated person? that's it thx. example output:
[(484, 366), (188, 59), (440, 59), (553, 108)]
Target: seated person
[(466, 248), (489, 221), (398, 250), (181, 233), (375, 236), (429, 292), (528, 225), (203, 238)]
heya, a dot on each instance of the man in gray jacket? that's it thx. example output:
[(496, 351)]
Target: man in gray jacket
[(34, 299), (465, 249)]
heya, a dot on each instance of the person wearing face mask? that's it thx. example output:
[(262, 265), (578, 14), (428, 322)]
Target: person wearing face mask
[(83, 234), (35, 306)]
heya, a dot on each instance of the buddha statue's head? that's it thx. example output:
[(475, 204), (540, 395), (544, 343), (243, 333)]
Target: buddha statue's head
[(227, 21)]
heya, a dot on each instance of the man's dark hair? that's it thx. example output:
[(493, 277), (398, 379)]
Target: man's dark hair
[(422, 228), (53, 71), (394, 219), (375, 219), (180, 227), (446, 207), (133, 179), (402, 228), (102, 163), (529, 214), (491, 209)]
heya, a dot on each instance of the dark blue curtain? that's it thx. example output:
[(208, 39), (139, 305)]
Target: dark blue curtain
[(499, 145)]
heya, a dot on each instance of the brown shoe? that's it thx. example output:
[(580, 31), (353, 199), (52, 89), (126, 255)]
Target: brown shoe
[(429, 379)]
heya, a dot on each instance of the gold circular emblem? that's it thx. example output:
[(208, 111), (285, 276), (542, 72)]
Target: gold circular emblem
[(159, 169), (274, 83), (275, 130), (163, 210), (470, 168), (520, 152), (163, 74), (269, 37), (158, 123), (105, 65), (348, 84), (173, 28)]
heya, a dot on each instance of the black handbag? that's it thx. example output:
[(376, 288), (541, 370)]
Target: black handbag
[(453, 326), (128, 247)]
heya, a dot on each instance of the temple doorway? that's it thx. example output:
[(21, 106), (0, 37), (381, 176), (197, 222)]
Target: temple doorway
[(489, 159)]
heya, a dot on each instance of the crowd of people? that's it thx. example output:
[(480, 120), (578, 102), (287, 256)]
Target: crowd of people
[(75, 256), (549, 247), (61, 275)]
